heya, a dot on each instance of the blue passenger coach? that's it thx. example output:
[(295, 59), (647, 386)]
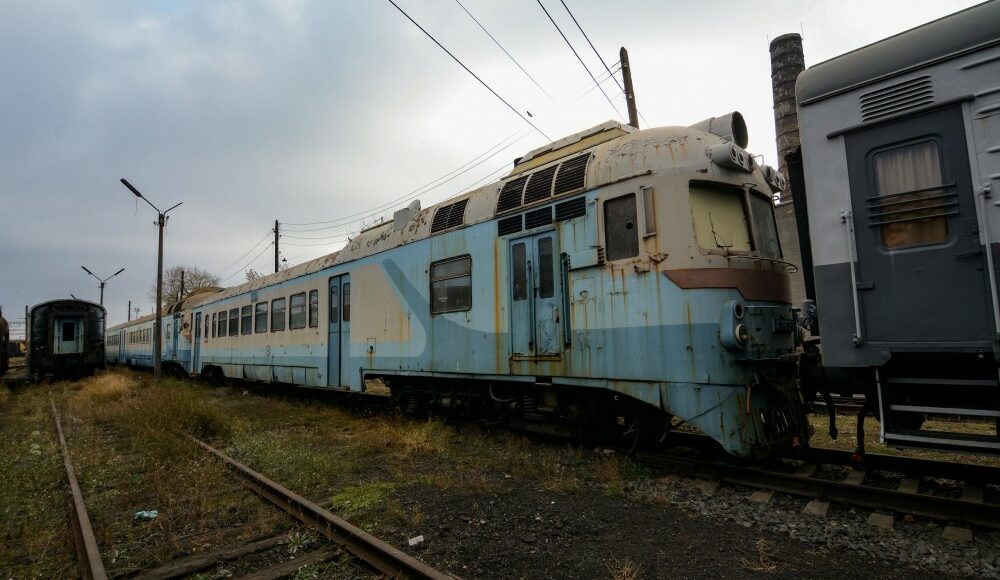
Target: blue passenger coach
[(615, 279)]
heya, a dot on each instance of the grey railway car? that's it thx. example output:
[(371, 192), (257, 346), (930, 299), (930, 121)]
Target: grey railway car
[(901, 159), (65, 338)]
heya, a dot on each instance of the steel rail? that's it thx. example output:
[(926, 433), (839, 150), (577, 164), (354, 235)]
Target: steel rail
[(851, 491), (87, 552), (387, 559)]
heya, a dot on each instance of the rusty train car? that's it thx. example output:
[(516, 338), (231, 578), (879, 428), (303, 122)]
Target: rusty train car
[(616, 279), (65, 338)]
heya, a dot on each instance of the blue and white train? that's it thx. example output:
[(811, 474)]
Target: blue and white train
[(615, 282)]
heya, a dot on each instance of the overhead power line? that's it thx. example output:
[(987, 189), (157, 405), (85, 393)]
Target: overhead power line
[(509, 55), (245, 266), (599, 57), (577, 55), (252, 248), (467, 69)]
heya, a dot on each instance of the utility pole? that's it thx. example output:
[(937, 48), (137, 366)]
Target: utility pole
[(129, 311), (161, 221), (633, 112), (104, 281), (276, 246), (181, 295)]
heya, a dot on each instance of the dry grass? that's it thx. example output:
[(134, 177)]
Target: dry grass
[(623, 569), (765, 561)]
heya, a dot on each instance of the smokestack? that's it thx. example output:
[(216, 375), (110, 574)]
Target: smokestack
[(787, 61)]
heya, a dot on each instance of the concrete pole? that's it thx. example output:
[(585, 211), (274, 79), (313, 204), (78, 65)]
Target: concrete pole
[(157, 330), (276, 246), (633, 112)]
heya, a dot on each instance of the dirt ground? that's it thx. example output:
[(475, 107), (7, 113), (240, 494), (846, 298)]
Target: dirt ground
[(488, 504)]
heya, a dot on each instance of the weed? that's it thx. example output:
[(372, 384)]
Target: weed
[(765, 558), (623, 569), (362, 498), (299, 541)]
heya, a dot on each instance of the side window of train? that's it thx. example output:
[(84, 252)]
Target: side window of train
[(313, 308), (213, 325), (234, 321), (277, 314), (346, 314), (260, 317), (223, 316), (451, 285), (621, 232), (297, 311), (207, 324), (246, 319), (908, 180)]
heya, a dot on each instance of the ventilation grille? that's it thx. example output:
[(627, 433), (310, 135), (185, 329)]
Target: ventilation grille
[(572, 174), (510, 225), (510, 195), (573, 208), (538, 217), (540, 185), (896, 98), (449, 216)]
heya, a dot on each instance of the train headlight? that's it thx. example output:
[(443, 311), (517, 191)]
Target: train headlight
[(733, 334)]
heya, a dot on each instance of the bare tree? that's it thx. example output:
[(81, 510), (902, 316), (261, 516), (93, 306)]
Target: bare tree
[(253, 275), (194, 278)]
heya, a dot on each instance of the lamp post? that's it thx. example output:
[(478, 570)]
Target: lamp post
[(157, 328), (104, 281)]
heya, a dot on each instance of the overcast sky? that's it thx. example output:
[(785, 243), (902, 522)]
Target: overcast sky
[(304, 112)]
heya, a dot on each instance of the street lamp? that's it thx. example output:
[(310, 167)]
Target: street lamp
[(157, 327), (104, 281)]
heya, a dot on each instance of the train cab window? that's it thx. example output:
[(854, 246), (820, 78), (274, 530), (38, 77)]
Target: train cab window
[(451, 285), (214, 325), (260, 317), (621, 232), (313, 308), (764, 228), (234, 321), (223, 316), (908, 186), (297, 311), (346, 314), (720, 218), (520, 275), (246, 319), (277, 314)]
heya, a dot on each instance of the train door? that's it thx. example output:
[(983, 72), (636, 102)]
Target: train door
[(920, 272), (68, 335), (535, 294), (196, 347), (339, 334)]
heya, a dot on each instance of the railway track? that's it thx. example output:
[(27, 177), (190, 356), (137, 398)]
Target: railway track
[(954, 492), (374, 555)]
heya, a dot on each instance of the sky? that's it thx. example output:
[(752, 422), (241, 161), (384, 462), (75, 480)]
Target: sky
[(335, 112)]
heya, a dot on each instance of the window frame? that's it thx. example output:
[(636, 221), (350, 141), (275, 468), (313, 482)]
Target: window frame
[(312, 306), (432, 280), (275, 318), (223, 323), (635, 226), (234, 325), (292, 316), (246, 319), (257, 327)]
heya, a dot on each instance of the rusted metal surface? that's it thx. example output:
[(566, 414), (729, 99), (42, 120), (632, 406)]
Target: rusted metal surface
[(391, 561), (752, 284), (87, 552)]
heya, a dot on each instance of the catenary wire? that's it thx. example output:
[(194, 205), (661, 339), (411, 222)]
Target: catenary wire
[(577, 55), (599, 57), (509, 55), (481, 81)]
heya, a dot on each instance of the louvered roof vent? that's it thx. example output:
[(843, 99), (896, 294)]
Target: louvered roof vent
[(449, 216), (572, 174), (896, 98)]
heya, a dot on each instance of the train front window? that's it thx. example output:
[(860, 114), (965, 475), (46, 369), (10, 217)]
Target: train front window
[(909, 186), (720, 218), (764, 227)]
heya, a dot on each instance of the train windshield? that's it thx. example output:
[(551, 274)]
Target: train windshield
[(765, 230), (720, 217)]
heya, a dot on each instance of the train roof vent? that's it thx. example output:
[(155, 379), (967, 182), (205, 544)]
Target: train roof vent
[(540, 185), (510, 225), (896, 98), (449, 216), (572, 174), (510, 195), (573, 208), (538, 217)]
